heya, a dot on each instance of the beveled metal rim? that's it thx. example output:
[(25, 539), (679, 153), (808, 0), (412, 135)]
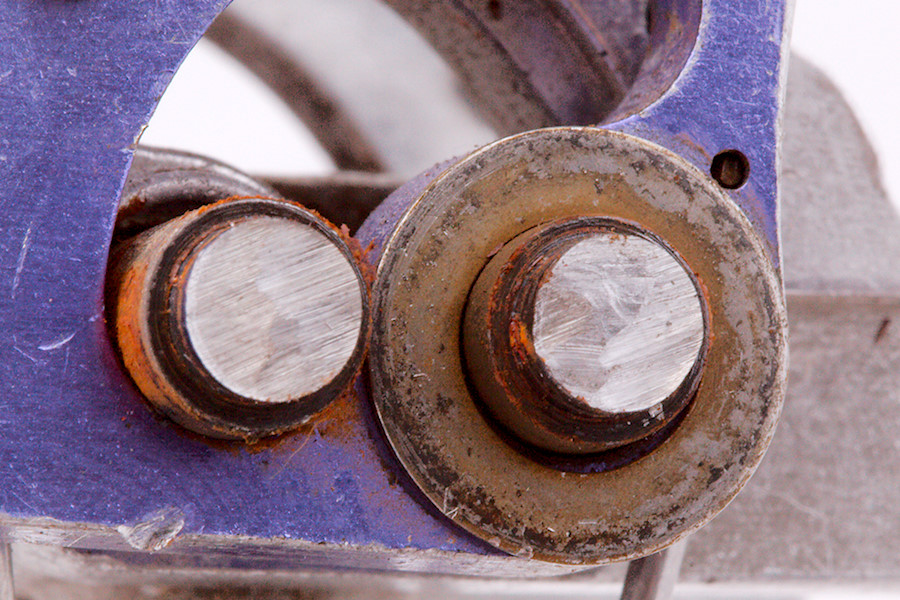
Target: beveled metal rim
[(431, 419)]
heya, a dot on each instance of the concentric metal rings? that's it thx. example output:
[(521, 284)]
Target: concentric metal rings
[(451, 449)]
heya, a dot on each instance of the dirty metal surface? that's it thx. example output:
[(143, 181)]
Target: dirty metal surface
[(547, 326), (92, 71), (681, 78), (431, 419), (653, 577), (736, 102), (51, 573), (163, 184), (206, 307), (828, 168), (727, 96), (824, 502), (344, 198), (565, 69), (694, 91), (79, 444)]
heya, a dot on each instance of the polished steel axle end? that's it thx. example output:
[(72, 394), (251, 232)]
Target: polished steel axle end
[(584, 335), (241, 319)]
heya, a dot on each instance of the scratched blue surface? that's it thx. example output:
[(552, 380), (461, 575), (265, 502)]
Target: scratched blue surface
[(728, 97), (78, 79)]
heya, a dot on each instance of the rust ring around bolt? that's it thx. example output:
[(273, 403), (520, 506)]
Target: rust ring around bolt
[(433, 422), (147, 290), (513, 381)]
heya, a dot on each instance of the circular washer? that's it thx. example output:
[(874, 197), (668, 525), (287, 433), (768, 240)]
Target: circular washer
[(431, 418)]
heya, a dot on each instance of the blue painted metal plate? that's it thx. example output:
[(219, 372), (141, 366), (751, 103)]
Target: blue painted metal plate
[(78, 81), (728, 96)]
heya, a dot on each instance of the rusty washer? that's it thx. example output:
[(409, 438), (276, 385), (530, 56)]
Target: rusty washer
[(622, 503)]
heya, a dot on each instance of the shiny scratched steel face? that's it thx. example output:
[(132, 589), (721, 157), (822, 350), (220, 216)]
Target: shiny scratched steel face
[(619, 322), (273, 309)]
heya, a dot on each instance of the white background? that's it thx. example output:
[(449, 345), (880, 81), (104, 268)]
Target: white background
[(856, 43)]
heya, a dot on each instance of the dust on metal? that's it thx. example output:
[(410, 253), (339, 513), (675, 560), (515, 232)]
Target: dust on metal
[(423, 393)]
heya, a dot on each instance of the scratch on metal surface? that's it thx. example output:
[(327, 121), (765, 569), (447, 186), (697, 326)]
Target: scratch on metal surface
[(22, 500), (20, 264), (58, 343), (25, 354), (61, 388), (287, 461), (807, 510), (448, 501), (155, 530), (173, 7)]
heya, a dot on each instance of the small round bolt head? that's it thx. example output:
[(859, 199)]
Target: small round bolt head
[(241, 319), (585, 335)]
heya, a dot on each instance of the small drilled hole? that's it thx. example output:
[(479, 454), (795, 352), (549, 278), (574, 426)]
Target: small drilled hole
[(730, 168)]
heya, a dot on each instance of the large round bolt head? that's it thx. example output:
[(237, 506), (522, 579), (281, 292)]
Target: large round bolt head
[(585, 335), (242, 319)]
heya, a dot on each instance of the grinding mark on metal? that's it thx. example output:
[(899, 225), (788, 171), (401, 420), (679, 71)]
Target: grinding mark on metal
[(58, 343), (273, 309), (20, 263), (618, 323)]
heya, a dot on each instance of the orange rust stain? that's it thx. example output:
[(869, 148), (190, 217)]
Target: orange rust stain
[(133, 207), (332, 421), (688, 141), (704, 295), (360, 255), (126, 330), (519, 337)]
